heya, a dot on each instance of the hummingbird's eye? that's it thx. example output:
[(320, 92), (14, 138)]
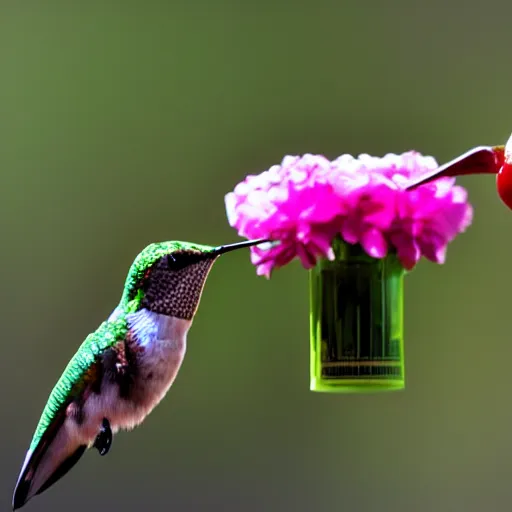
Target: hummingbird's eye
[(177, 261)]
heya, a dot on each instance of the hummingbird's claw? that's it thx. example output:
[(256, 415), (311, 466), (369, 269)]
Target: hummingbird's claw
[(103, 440)]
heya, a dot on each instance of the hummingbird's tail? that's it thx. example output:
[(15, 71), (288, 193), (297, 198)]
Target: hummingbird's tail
[(57, 452)]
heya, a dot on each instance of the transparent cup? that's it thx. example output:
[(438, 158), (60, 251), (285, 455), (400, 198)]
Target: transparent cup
[(356, 322)]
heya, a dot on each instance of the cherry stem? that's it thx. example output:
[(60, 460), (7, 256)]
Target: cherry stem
[(479, 160)]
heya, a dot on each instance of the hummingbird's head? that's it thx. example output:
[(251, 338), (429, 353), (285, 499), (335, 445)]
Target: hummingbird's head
[(168, 277)]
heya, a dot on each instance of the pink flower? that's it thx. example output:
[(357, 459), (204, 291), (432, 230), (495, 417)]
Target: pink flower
[(369, 201), (428, 219), (293, 203), (305, 202)]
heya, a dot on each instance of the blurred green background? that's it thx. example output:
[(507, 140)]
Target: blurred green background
[(123, 125)]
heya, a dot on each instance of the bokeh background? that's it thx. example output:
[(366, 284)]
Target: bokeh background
[(123, 124)]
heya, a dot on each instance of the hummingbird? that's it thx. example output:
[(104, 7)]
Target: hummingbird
[(124, 369)]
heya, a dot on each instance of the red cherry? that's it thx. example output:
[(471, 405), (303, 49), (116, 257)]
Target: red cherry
[(504, 177), (504, 184)]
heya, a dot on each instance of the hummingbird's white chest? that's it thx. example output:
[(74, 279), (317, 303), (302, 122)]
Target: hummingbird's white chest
[(159, 342)]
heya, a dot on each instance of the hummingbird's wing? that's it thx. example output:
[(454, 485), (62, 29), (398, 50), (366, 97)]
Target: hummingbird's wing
[(58, 442)]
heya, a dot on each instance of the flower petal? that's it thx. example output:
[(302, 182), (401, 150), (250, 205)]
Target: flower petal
[(374, 243)]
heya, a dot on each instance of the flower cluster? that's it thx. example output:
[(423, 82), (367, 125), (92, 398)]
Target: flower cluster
[(305, 202)]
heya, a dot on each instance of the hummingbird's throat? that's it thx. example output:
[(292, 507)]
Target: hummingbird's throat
[(176, 293)]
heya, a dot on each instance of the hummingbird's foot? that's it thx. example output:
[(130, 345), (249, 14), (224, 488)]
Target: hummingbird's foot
[(104, 438)]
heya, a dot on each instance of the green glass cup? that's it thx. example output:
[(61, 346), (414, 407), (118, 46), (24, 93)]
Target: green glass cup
[(356, 322)]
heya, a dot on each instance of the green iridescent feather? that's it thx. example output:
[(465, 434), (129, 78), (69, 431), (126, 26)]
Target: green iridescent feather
[(108, 333), (69, 384)]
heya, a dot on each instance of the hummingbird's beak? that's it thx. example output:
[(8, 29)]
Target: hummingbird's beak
[(221, 249)]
